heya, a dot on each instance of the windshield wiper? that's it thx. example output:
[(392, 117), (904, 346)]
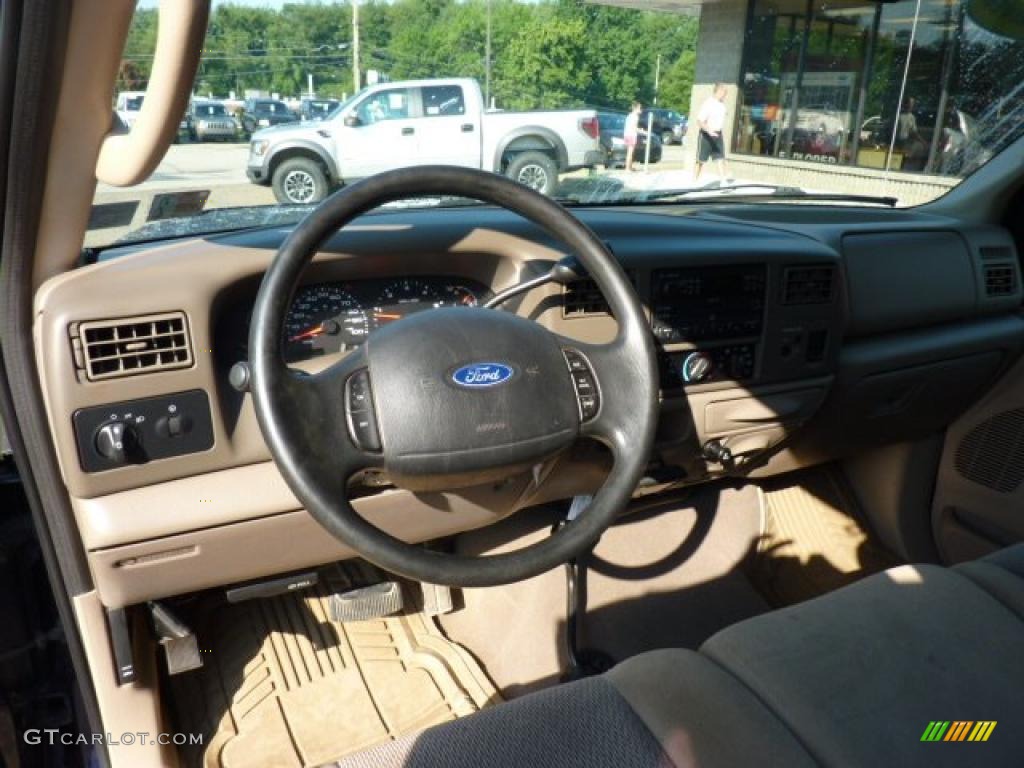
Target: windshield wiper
[(729, 193)]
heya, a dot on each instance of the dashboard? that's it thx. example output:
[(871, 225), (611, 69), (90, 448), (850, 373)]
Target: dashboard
[(781, 345)]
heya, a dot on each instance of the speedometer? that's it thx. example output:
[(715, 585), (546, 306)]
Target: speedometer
[(323, 319), (403, 297)]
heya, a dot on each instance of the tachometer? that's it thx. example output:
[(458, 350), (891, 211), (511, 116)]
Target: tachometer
[(323, 319), (403, 297), (455, 295)]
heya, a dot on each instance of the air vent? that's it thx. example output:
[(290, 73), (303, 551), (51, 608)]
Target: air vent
[(108, 349), (583, 297), (992, 252), (807, 285), (1000, 280), (992, 453)]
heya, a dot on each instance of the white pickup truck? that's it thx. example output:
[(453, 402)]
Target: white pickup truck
[(421, 122)]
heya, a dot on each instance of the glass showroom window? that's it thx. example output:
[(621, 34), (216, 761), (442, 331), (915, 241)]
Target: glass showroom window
[(902, 86)]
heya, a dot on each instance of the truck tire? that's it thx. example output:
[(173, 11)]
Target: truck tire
[(667, 138), (299, 181), (535, 170)]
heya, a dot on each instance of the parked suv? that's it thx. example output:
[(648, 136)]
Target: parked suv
[(265, 113), (317, 109), (209, 120)]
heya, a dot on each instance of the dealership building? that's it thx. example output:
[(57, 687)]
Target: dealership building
[(836, 94)]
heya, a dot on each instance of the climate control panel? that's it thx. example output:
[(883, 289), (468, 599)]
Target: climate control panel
[(733, 362), (138, 431)]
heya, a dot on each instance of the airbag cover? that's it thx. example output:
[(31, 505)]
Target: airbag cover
[(459, 390)]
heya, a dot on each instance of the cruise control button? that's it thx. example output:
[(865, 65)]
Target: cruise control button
[(576, 363), (584, 383), (362, 421), (359, 392), (588, 406), (364, 431)]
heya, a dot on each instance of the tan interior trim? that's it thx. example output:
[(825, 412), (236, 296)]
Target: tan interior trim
[(96, 36), (227, 554), (181, 28), (133, 708)]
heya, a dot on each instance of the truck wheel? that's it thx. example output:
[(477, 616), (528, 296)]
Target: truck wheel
[(534, 170), (667, 137), (299, 181)]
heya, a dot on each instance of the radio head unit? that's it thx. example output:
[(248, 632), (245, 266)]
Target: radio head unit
[(710, 303)]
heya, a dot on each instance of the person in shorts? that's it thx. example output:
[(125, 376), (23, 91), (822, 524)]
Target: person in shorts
[(631, 133), (711, 120)]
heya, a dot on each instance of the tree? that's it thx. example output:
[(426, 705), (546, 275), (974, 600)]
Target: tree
[(677, 82), (546, 65), (552, 53)]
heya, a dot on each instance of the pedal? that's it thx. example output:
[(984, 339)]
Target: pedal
[(373, 602), (437, 599), (181, 649)]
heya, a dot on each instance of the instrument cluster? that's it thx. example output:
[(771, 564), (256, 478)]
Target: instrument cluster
[(327, 318)]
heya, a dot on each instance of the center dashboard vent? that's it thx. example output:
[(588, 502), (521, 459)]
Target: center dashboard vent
[(1000, 280), (583, 297), (808, 285), (109, 349)]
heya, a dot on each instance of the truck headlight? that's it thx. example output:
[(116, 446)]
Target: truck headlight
[(259, 147)]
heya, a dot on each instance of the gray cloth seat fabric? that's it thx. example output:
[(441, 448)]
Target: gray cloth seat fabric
[(849, 679)]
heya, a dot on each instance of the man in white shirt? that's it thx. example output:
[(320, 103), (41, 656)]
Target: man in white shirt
[(711, 120)]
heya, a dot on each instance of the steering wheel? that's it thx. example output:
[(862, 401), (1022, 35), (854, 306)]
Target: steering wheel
[(454, 397)]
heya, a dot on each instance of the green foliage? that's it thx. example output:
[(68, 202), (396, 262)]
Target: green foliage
[(550, 54)]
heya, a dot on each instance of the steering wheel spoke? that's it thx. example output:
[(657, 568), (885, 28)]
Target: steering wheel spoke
[(610, 405), (333, 410)]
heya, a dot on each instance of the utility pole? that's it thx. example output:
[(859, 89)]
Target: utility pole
[(355, 45), (487, 61), (309, 78), (657, 79)]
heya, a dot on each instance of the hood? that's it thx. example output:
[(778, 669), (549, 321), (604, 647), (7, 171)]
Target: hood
[(287, 131)]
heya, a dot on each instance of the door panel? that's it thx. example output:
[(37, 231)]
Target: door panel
[(979, 494), (448, 134)]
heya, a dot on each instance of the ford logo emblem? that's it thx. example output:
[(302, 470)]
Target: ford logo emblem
[(482, 375)]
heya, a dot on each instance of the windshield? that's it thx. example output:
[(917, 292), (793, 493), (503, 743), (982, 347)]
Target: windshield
[(209, 110), (862, 103), (269, 108)]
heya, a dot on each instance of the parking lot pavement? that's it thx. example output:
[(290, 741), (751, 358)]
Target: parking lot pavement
[(193, 166)]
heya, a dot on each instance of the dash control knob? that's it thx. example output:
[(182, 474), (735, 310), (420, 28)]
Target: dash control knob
[(696, 367), (115, 440)]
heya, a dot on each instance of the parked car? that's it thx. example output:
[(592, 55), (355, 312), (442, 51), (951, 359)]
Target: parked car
[(265, 113), (667, 124), (317, 109), (614, 145), (423, 122), (209, 120), (128, 106)]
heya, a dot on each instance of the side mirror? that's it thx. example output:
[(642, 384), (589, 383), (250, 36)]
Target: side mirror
[(353, 121)]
